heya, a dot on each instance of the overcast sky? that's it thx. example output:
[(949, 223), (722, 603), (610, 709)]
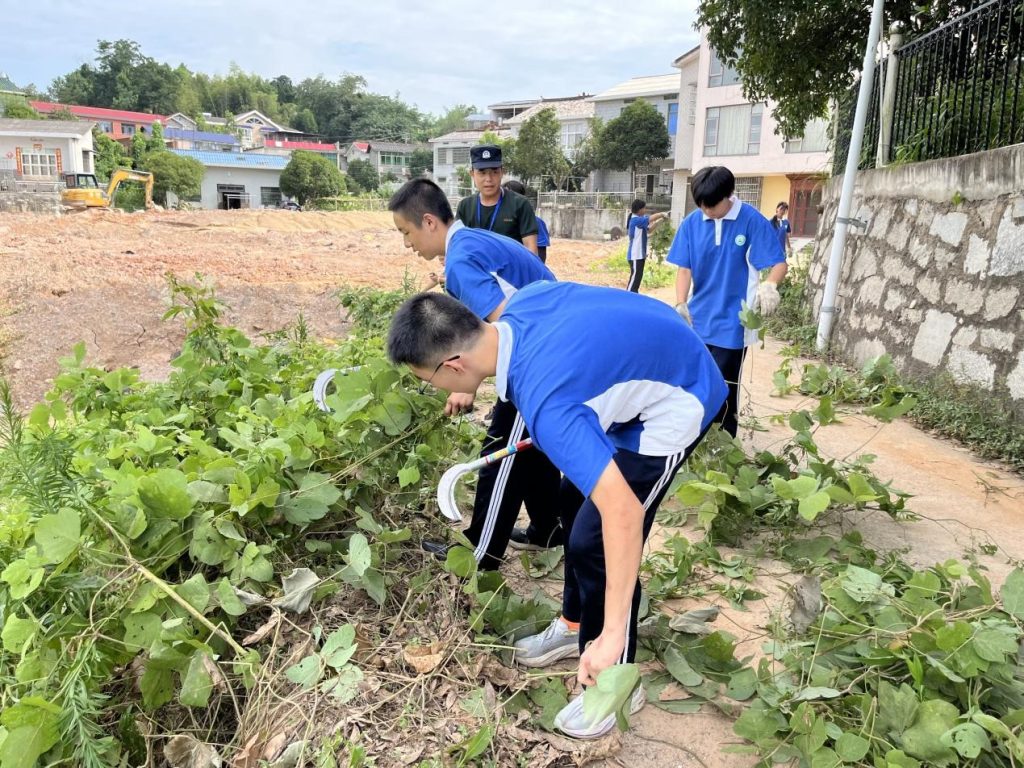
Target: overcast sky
[(469, 52)]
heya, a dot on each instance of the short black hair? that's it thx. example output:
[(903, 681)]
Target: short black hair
[(712, 185), (429, 327), (419, 196), (515, 186), (637, 205)]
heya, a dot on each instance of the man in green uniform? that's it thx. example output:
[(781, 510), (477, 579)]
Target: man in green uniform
[(499, 210)]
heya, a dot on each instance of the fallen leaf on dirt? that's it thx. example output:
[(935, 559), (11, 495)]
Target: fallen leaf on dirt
[(213, 670), (489, 668), (423, 658), (188, 752), (275, 746), (298, 590), (806, 603), (585, 752), (290, 757), (409, 755), (263, 631), (695, 622)]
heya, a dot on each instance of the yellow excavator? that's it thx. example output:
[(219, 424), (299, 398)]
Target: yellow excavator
[(83, 191)]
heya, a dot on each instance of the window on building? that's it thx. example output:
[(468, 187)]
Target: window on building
[(748, 189), (394, 159), (815, 138), (720, 74), (442, 156), (673, 118), (270, 197), (573, 134), (127, 129), (39, 164), (733, 130), (691, 103), (105, 126), (460, 155)]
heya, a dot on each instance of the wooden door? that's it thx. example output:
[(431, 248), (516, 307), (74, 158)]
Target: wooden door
[(804, 200)]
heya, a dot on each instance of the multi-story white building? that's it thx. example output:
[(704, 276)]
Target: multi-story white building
[(662, 91), (728, 130)]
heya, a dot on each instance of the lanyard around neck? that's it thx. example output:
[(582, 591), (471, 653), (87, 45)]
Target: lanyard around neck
[(494, 216)]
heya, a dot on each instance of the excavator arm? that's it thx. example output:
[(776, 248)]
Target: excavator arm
[(127, 174)]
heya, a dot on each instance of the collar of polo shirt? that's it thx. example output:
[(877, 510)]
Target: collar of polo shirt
[(504, 359)]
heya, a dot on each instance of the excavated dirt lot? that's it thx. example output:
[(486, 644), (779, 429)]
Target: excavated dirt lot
[(99, 277)]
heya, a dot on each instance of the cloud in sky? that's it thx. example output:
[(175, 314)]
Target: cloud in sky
[(458, 52)]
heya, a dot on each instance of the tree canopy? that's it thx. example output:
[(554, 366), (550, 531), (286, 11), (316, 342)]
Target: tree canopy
[(639, 135), (364, 175), (173, 173), (800, 54), (309, 176), (538, 148)]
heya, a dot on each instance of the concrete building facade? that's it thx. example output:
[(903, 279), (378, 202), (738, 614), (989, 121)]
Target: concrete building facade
[(236, 180), (44, 150)]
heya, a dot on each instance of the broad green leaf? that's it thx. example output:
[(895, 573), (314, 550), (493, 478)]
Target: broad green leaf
[(897, 758), (17, 632), (141, 630), (408, 475), (477, 744), (742, 684), (373, 583), (860, 487), (864, 585), (345, 685), (359, 554), (852, 747), (813, 505), (157, 685), (196, 683), (803, 486), (952, 636), (207, 492), (196, 592), (995, 644), (968, 739), (228, 600), (339, 646), (165, 494), (32, 729), (314, 497), (1012, 594), (680, 668), (265, 495), (612, 693), (923, 739), (460, 561), (306, 673), (897, 708), (549, 697), (759, 725), (58, 535), (23, 577), (825, 758), (813, 693), (253, 565), (208, 545)]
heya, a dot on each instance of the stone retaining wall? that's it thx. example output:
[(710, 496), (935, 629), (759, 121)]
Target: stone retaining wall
[(937, 278), (30, 202)]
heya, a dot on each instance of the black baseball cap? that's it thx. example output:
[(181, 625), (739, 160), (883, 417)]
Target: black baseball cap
[(485, 156)]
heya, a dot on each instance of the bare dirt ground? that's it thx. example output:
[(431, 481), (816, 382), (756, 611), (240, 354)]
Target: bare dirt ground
[(98, 277)]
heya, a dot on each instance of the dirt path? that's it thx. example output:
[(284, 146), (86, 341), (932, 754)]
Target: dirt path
[(99, 278)]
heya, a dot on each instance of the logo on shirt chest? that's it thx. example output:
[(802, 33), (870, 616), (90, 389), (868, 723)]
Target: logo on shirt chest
[(741, 240)]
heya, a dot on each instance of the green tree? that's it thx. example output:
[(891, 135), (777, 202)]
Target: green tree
[(61, 114), (800, 54), (173, 173), (108, 154), (139, 148), (76, 87), (304, 120), (309, 176), (452, 120), (637, 136), (16, 108), (586, 157), (155, 142), (364, 175), (421, 161), (538, 150)]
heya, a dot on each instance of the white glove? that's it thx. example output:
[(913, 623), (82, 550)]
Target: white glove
[(684, 312), (767, 298)]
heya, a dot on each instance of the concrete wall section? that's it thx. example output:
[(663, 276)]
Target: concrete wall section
[(582, 223), (937, 278)]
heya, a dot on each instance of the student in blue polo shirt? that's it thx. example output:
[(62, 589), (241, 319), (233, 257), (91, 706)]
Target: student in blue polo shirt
[(543, 238), (638, 224), (617, 413), (482, 270), (720, 249)]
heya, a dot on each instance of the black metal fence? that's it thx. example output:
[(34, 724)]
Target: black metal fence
[(958, 87), (958, 90)]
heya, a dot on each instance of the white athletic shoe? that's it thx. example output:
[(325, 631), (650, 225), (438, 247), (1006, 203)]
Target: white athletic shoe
[(554, 643), (573, 722)]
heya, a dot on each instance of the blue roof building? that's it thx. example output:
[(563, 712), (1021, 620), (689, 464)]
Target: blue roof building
[(236, 179)]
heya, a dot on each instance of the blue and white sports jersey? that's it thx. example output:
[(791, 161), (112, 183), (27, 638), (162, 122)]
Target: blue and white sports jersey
[(543, 238), (781, 231), (637, 230), (482, 269), (586, 389), (724, 256)]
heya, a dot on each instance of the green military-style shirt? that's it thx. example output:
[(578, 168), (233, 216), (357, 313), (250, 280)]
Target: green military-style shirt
[(515, 217)]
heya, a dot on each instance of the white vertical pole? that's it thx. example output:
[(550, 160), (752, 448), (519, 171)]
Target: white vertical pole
[(835, 261)]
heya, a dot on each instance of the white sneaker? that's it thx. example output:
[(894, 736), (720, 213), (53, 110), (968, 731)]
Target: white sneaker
[(554, 643), (573, 722)]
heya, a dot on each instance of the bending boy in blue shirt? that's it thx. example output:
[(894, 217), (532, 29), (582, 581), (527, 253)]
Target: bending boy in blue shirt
[(482, 270), (617, 413), (719, 250)]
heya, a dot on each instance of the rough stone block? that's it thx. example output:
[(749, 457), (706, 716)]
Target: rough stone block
[(894, 299), (911, 208), (978, 252), (1000, 302), (912, 316), (878, 225), (1018, 208), (930, 288), (967, 367), (949, 227), (968, 299), (1015, 381), (865, 265), (898, 235), (873, 323), (894, 269), (920, 253), (1008, 252), (944, 258), (871, 290), (965, 337), (866, 349), (933, 337), (996, 339)]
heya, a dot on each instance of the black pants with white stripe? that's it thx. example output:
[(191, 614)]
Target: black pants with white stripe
[(585, 571), (502, 488), (636, 275)]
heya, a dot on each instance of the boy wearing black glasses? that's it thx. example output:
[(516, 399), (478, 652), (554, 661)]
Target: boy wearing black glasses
[(482, 270)]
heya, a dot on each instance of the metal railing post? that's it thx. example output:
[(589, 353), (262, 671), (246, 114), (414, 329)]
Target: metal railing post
[(885, 119)]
